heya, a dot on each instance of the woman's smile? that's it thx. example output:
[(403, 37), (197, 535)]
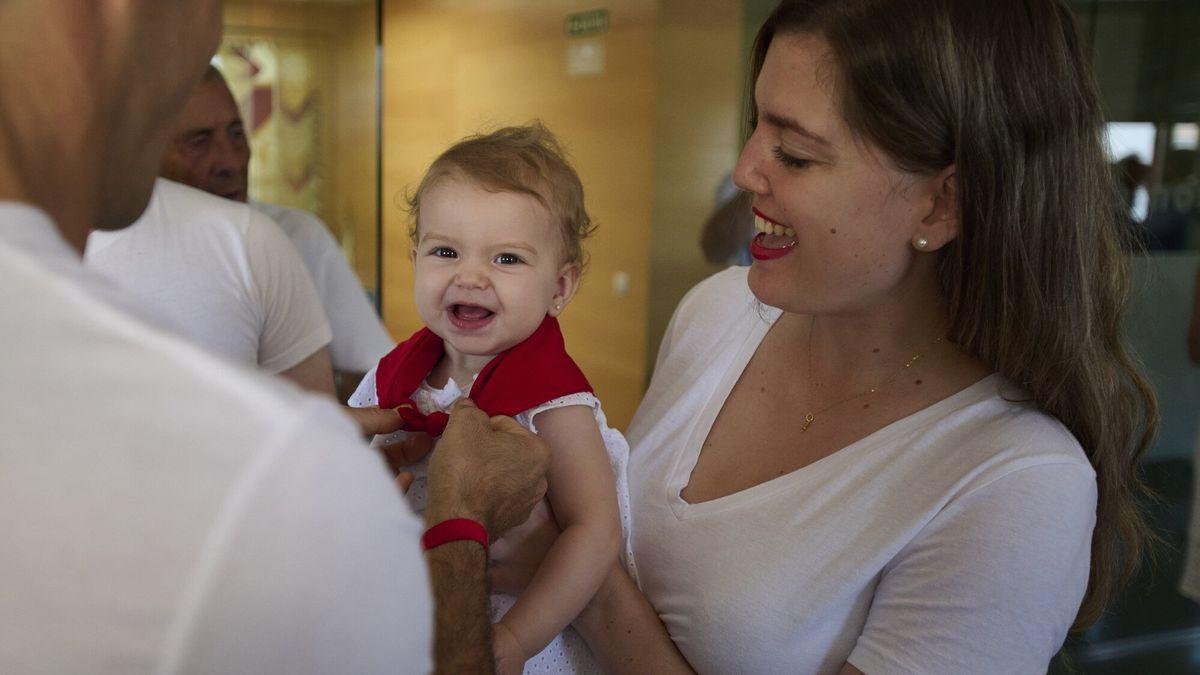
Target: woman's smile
[(773, 239)]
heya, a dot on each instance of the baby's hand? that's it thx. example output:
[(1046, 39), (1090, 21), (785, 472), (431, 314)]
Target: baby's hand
[(510, 658)]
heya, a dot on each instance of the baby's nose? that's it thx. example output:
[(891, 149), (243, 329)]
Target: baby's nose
[(470, 276)]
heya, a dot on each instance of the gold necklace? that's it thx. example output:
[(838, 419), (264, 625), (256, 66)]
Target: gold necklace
[(809, 417)]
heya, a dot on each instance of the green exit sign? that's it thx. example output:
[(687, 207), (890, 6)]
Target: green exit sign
[(592, 22)]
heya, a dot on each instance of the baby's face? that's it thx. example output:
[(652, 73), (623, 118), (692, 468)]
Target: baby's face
[(489, 266)]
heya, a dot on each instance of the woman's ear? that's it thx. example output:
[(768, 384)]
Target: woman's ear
[(942, 222), (568, 283)]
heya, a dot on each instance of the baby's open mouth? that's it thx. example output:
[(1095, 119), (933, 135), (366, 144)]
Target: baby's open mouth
[(469, 317), (470, 312)]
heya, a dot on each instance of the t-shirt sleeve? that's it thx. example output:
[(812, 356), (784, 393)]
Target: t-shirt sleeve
[(312, 566), (293, 323), (359, 338), (992, 584)]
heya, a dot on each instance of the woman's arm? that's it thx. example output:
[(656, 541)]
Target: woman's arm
[(624, 633), (582, 493)]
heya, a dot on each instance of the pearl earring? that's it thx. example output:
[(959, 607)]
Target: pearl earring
[(558, 308), (921, 243)]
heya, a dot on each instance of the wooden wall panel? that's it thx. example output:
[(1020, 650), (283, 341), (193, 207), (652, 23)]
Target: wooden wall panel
[(696, 143)]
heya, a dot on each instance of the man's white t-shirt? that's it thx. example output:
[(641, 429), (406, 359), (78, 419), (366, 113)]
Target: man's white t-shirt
[(359, 338), (955, 540), (220, 273), (165, 511)]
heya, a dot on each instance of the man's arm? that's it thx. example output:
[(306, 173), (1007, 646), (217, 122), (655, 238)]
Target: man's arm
[(493, 472), (462, 633), (314, 373)]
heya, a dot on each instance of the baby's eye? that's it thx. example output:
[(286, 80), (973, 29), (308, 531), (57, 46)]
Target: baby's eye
[(509, 259), (443, 252)]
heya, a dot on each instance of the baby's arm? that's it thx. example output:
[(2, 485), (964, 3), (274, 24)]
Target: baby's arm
[(583, 495)]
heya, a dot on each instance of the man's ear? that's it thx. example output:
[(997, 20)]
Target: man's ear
[(568, 282), (941, 223)]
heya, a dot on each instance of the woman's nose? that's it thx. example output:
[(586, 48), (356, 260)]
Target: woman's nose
[(747, 174)]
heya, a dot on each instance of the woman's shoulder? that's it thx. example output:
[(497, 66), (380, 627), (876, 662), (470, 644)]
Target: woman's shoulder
[(723, 299), (714, 315), (725, 289), (998, 431)]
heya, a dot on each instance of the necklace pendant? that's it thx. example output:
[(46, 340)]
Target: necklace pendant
[(808, 419)]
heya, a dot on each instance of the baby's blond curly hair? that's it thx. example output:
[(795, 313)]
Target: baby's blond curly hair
[(523, 159)]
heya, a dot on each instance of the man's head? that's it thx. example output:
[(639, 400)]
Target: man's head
[(209, 149), (90, 92)]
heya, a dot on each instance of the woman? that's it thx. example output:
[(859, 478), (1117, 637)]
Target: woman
[(904, 441)]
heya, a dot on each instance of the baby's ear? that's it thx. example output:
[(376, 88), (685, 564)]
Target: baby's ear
[(568, 282), (412, 255)]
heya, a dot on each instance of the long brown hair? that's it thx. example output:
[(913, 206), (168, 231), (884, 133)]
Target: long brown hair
[(1037, 281)]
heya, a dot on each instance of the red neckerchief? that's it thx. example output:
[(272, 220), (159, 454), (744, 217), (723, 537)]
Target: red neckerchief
[(529, 374)]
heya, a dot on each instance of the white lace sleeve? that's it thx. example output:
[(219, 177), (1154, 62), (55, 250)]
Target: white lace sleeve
[(582, 398), (365, 395)]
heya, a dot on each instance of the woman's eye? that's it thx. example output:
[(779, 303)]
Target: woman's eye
[(443, 252), (789, 160), (508, 259)]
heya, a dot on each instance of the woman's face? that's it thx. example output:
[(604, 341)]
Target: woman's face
[(847, 218)]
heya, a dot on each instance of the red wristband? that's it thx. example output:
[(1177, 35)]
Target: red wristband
[(454, 529)]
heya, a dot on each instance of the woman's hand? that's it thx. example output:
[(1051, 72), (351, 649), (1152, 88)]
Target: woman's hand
[(516, 557)]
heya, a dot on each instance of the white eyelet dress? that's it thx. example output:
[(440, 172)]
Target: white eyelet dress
[(567, 652)]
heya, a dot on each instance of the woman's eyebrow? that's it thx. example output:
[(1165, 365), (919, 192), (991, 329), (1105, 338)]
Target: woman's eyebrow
[(790, 124)]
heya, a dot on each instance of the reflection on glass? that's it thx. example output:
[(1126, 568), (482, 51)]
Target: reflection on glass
[(305, 77)]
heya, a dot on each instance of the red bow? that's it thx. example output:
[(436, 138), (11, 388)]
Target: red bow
[(529, 374)]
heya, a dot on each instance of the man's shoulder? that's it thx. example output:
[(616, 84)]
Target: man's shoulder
[(186, 206), (82, 344), (296, 223)]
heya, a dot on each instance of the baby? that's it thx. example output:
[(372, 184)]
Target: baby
[(497, 225)]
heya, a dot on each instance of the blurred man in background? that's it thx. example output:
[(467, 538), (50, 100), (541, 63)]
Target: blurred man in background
[(210, 151)]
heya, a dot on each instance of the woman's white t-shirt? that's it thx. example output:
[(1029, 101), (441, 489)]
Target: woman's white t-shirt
[(955, 540)]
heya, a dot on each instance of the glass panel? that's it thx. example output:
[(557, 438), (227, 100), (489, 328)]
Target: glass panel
[(305, 76), (1146, 60)]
